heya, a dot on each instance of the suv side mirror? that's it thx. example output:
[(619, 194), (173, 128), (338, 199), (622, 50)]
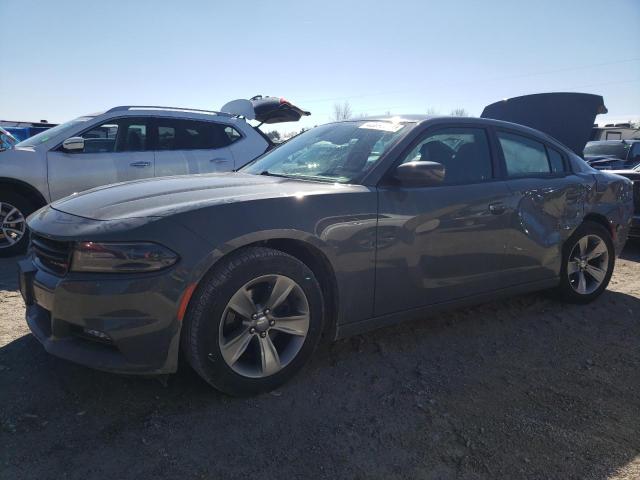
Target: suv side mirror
[(420, 174), (73, 144)]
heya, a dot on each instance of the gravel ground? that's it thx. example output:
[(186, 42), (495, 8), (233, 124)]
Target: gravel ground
[(523, 388)]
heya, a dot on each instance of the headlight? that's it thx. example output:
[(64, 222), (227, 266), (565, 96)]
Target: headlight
[(121, 257)]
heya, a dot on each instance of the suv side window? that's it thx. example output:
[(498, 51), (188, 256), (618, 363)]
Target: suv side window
[(464, 153), (524, 156), (121, 135), (178, 134), (232, 133)]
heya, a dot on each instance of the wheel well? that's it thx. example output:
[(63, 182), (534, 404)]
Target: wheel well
[(30, 193), (602, 220), (313, 258)]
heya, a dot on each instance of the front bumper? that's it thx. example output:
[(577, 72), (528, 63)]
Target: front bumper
[(136, 316)]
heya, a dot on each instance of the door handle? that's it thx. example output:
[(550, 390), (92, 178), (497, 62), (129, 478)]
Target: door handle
[(497, 208), (140, 164), (218, 160)]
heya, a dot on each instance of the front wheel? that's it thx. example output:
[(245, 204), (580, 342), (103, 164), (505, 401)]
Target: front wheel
[(587, 263), (254, 321), (14, 209)]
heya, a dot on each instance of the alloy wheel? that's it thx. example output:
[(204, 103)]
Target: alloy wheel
[(12, 225), (264, 326), (588, 264)]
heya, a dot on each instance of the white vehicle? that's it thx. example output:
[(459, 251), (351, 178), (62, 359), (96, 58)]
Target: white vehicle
[(128, 143)]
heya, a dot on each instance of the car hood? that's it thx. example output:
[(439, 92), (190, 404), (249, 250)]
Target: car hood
[(15, 158), (158, 197), (568, 117)]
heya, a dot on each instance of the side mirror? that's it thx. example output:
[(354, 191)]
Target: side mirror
[(420, 174), (73, 144)]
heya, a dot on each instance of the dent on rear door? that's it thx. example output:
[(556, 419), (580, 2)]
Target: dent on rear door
[(545, 212)]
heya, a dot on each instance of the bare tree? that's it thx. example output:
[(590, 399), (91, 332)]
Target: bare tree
[(432, 111), (274, 135), (342, 112), (459, 112)]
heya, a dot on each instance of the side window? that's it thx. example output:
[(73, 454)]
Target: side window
[(634, 155), (101, 139), (523, 156), (464, 153), (122, 135), (178, 134), (556, 161), (132, 137), (166, 138), (232, 134)]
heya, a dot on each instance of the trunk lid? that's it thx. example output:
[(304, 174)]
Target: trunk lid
[(265, 109)]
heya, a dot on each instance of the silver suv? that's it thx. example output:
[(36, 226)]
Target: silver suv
[(128, 143)]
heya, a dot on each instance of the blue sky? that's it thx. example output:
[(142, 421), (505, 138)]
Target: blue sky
[(66, 58)]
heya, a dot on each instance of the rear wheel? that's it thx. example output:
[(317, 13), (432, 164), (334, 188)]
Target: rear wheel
[(14, 209), (587, 265), (254, 321)]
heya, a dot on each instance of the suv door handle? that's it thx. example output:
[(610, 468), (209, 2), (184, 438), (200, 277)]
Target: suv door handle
[(140, 164), (218, 160), (497, 208)]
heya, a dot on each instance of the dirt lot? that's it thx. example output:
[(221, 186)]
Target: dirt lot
[(523, 388)]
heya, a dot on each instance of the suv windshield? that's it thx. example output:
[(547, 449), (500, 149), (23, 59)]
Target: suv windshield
[(7, 141), (52, 132), (618, 150), (337, 152)]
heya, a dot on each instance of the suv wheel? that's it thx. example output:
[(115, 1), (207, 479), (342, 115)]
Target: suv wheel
[(14, 209), (587, 264), (254, 321)]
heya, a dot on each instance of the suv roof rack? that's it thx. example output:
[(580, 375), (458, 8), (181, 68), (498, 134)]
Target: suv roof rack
[(170, 109)]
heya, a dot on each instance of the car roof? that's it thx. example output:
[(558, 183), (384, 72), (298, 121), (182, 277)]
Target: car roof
[(178, 112), (394, 118)]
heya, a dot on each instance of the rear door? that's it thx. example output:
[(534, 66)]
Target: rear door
[(443, 242), (546, 205), (114, 151), (192, 146)]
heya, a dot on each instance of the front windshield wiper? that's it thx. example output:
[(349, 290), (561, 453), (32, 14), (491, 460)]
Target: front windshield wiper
[(267, 173), (298, 176)]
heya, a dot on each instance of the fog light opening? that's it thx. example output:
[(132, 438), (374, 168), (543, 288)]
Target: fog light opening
[(97, 334)]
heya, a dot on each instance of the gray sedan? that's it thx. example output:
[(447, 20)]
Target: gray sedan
[(347, 227)]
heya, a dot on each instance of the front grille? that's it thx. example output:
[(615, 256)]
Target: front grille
[(51, 254)]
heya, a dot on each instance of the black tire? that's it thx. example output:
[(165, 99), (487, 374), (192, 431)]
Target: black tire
[(565, 290), (200, 334), (25, 208)]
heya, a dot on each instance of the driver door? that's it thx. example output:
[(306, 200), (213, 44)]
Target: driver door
[(115, 151), (444, 242)]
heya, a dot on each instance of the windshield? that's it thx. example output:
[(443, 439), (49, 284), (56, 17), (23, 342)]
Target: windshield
[(337, 152), (7, 141), (618, 150), (52, 132)]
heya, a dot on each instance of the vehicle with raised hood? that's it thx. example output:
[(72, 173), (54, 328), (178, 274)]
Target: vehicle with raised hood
[(128, 143), (613, 154), (346, 227)]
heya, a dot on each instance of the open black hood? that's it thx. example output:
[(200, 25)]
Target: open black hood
[(568, 117), (265, 109)]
